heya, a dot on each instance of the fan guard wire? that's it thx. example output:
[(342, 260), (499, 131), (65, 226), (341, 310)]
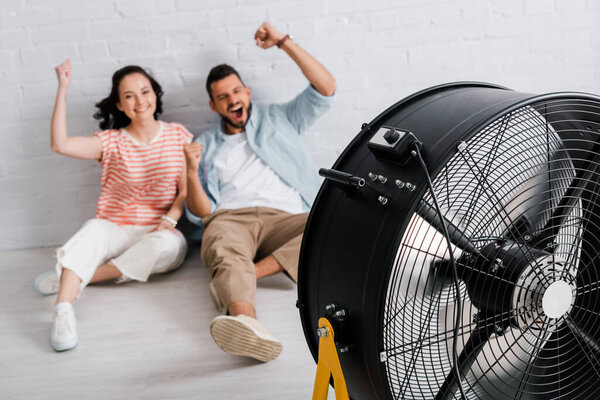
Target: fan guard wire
[(417, 152), (554, 171)]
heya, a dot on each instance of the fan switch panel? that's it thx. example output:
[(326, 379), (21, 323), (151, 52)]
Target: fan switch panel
[(393, 144)]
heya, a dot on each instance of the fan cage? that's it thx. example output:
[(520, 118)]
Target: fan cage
[(506, 181)]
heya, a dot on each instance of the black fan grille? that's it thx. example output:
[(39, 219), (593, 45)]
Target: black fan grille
[(505, 183)]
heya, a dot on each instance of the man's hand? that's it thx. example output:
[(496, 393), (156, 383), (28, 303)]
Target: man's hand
[(267, 36), (196, 199), (64, 73), (193, 155)]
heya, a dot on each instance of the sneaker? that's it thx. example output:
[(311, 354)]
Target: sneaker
[(244, 336), (64, 328), (215, 297), (47, 283)]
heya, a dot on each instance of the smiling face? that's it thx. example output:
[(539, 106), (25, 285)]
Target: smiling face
[(231, 100), (136, 97)]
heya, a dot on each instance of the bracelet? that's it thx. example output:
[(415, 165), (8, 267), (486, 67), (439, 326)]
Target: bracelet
[(169, 220), (283, 40)]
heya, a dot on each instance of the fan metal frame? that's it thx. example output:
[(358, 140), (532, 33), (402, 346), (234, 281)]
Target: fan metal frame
[(351, 238)]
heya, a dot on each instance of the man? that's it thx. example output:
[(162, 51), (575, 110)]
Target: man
[(250, 184)]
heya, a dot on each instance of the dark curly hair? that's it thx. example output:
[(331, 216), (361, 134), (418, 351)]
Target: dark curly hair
[(108, 114), (219, 72)]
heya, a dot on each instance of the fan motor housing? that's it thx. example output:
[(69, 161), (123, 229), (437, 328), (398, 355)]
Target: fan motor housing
[(510, 276)]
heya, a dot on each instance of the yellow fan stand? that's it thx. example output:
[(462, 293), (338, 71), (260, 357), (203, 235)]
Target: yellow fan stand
[(328, 365)]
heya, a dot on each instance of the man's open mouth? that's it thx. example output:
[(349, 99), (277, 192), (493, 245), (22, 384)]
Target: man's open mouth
[(237, 112)]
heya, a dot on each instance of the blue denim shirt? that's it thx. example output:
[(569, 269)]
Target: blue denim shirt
[(273, 133)]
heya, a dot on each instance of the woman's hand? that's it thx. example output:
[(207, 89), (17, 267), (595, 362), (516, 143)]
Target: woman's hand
[(164, 224), (64, 73)]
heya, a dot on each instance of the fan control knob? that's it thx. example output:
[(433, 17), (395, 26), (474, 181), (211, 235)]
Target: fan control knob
[(391, 136)]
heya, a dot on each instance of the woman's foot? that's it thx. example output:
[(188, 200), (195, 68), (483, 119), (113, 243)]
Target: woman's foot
[(47, 283), (64, 328)]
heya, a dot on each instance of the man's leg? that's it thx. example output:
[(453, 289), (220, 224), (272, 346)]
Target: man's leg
[(279, 248), (228, 250), (267, 266)]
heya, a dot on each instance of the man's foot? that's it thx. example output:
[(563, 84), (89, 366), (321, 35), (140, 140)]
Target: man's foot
[(215, 297), (64, 328), (47, 283), (244, 336)]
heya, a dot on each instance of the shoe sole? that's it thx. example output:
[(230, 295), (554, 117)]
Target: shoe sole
[(63, 346), (237, 338), (39, 279)]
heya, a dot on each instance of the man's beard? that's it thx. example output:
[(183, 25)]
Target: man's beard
[(241, 125)]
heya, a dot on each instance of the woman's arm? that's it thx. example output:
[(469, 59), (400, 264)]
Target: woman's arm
[(176, 209), (60, 142)]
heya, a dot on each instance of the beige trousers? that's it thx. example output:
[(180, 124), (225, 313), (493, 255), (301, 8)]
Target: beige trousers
[(233, 240)]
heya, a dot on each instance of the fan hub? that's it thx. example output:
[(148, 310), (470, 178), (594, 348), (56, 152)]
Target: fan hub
[(558, 299), (531, 285), (542, 291)]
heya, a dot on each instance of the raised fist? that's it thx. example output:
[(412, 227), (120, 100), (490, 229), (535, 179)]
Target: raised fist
[(64, 73), (193, 155), (267, 36)]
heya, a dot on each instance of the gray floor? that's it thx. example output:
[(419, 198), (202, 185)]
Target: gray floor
[(143, 341)]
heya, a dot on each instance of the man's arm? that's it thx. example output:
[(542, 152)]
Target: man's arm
[(267, 36), (197, 200)]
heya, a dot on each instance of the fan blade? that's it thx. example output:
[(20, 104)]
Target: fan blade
[(578, 331), (563, 367), (457, 237), (466, 358), (584, 319), (586, 179)]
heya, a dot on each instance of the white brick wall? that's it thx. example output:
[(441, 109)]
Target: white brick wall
[(379, 51)]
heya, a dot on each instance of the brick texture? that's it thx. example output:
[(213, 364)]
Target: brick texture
[(379, 51)]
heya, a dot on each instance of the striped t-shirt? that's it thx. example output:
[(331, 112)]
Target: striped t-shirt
[(139, 182)]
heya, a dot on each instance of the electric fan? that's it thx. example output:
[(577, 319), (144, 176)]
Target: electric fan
[(455, 247)]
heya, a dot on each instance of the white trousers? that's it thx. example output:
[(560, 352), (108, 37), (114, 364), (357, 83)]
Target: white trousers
[(135, 251)]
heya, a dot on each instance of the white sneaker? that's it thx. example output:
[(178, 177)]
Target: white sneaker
[(47, 283), (244, 336), (64, 328)]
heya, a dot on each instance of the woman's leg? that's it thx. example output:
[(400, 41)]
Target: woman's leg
[(77, 264), (91, 248), (157, 252), (64, 326), (70, 285), (106, 272)]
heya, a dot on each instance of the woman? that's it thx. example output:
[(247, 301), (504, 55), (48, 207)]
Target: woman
[(142, 194)]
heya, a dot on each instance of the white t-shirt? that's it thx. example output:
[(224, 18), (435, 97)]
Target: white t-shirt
[(246, 181)]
